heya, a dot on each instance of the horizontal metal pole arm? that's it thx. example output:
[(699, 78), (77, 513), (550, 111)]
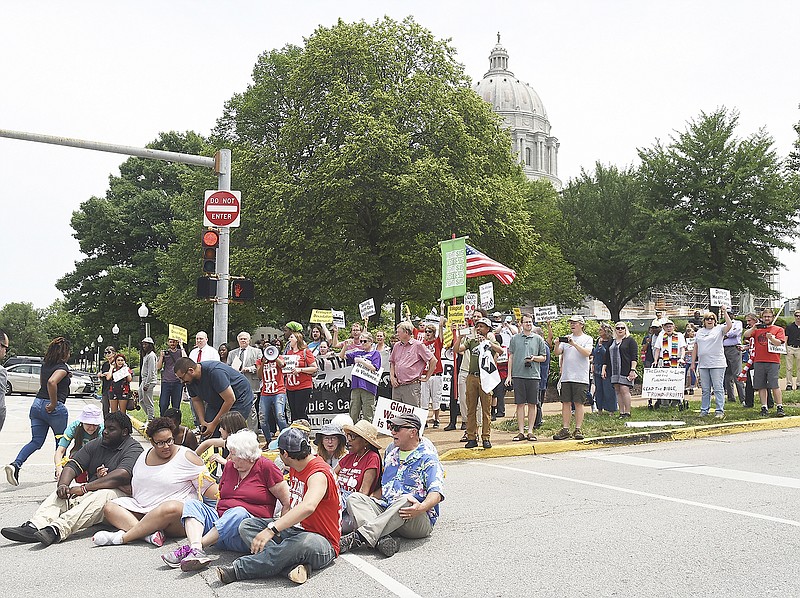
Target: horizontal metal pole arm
[(141, 152)]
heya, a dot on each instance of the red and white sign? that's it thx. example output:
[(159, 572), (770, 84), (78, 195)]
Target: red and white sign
[(222, 208)]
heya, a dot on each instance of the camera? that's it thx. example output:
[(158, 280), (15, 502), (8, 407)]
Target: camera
[(563, 339), (761, 326), (528, 364)]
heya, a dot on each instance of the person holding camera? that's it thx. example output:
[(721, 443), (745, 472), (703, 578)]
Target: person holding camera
[(768, 346), (526, 352), (171, 387), (576, 349)]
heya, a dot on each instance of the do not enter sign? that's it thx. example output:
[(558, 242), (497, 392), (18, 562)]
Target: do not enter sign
[(222, 208)]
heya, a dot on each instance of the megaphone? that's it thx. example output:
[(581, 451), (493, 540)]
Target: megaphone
[(271, 353)]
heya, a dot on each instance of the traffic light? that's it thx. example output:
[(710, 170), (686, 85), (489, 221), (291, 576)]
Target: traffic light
[(210, 243), (243, 290), (206, 287)]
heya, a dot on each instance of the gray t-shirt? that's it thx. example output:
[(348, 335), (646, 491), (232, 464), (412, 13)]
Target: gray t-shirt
[(95, 453), (522, 346), (574, 365)]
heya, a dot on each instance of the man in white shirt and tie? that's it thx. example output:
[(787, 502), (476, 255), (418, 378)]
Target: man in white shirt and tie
[(203, 351)]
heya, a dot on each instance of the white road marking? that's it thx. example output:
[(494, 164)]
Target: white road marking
[(715, 472), (682, 501), (390, 583)]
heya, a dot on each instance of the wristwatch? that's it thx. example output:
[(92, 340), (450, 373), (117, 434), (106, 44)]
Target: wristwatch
[(271, 527)]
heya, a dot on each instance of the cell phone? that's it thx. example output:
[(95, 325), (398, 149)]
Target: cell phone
[(166, 353), (761, 326), (563, 339)]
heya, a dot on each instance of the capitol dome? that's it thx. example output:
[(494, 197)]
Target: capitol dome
[(524, 115)]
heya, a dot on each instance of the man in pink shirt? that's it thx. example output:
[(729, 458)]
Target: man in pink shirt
[(407, 365)]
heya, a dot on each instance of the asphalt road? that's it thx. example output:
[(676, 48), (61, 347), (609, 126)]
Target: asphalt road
[(711, 517)]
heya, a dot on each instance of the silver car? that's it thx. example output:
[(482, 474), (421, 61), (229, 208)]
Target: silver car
[(23, 378)]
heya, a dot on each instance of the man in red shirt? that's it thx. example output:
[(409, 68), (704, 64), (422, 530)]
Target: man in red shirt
[(769, 343), (306, 535), (431, 390)]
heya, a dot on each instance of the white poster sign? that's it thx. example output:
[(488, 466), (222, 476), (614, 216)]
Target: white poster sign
[(338, 319), (291, 362), (664, 383), (121, 373), (386, 409), (547, 313), (366, 374), (487, 295), (470, 303), (776, 348), (367, 308), (720, 297)]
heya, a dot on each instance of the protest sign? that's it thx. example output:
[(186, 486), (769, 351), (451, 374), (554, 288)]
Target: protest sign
[(548, 313), (386, 409), (178, 333), (781, 349), (664, 383), (487, 295), (321, 316), (518, 314), (367, 308), (454, 268), (121, 373), (720, 297), (291, 362), (456, 314), (338, 318), (364, 373), (470, 303)]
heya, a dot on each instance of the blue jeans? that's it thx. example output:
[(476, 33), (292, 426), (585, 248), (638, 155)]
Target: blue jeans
[(170, 396), (604, 396), (227, 525), (41, 422), (266, 416), (297, 547), (712, 377)]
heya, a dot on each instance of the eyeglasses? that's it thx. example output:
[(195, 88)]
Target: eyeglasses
[(4, 346), (163, 443), (709, 319), (365, 340), (351, 436), (108, 352), (619, 328), (393, 427)]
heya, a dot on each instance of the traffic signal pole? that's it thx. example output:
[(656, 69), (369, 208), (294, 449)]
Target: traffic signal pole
[(221, 163)]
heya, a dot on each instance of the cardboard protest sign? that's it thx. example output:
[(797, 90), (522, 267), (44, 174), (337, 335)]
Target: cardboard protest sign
[(321, 316), (338, 318), (518, 314), (664, 383), (121, 373), (178, 333), (720, 297), (487, 295), (456, 314), (364, 373), (386, 409), (470, 303), (781, 349), (548, 313), (454, 267), (366, 308)]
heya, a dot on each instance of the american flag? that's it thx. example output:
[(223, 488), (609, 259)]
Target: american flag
[(479, 264)]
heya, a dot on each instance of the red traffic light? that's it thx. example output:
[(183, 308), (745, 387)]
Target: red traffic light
[(210, 238), (243, 290)]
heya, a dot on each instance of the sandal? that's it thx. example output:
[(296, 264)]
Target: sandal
[(531, 437), (464, 437), (519, 437)]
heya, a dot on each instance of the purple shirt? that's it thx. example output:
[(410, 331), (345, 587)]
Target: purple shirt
[(374, 358), (409, 360)]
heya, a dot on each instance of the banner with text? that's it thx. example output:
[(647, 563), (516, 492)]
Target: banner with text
[(367, 308), (321, 316), (178, 333), (455, 313)]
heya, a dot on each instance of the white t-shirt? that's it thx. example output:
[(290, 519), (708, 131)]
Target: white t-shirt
[(710, 353), (574, 366)]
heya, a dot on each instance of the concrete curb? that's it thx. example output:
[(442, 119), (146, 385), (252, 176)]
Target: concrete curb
[(562, 446)]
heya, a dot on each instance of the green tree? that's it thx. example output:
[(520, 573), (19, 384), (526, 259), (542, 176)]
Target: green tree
[(57, 320), (604, 233), (356, 154), (722, 205), (24, 327)]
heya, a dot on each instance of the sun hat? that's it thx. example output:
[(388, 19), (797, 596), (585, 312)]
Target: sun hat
[(365, 430), (147, 339), (91, 414), (329, 430), (486, 322)]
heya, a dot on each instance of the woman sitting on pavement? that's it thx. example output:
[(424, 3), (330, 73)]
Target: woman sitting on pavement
[(166, 473), (331, 444), (87, 427), (250, 486), (620, 366), (183, 435), (708, 356), (360, 469)]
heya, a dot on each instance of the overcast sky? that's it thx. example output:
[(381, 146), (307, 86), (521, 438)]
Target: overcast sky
[(613, 76)]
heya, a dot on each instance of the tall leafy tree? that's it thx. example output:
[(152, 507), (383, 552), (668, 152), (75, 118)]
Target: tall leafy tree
[(357, 153), (23, 324), (722, 204), (605, 232)]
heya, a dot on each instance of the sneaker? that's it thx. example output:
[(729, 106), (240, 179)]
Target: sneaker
[(226, 574), (12, 473), (174, 558), (387, 546), (196, 560), (300, 573), (156, 538), (350, 542), (450, 427), (779, 411), (48, 535), (22, 533), (719, 415), (519, 437), (487, 444), (578, 435), (436, 423), (471, 444), (691, 391), (788, 387), (103, 538), (764, 412), (562, 434)]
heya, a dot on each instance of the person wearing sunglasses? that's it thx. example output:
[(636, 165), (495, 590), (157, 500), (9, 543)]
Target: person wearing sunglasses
[(412, 486), (620, 366), (708, 359), (3, 377), (366, 371), (105, 390)]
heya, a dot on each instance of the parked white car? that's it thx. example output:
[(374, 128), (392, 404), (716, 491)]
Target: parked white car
[(23, 378)]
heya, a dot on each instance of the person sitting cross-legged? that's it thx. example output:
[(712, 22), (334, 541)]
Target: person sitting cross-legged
[(411, 489)]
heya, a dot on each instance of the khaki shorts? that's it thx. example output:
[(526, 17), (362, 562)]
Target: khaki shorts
[(574, 392)]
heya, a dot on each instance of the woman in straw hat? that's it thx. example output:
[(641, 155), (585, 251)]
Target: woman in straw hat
[(360, 469)]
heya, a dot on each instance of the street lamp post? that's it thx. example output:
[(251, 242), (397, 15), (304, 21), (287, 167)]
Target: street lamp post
[(143, 312), (86, 357), (99, 342), (115, 333)]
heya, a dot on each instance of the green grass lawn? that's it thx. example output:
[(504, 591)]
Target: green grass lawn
[(607, 424), (187, 420)]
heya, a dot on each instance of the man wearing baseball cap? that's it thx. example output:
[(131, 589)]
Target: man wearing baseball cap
[(412, 486), (171, 387), (282, 545)]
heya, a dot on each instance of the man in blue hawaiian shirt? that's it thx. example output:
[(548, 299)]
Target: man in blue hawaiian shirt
[(411, 490)]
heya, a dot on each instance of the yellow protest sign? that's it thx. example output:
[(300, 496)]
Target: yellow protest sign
[(178, 333), (518, 314), (456, 314), (321, 316), (447, 334)]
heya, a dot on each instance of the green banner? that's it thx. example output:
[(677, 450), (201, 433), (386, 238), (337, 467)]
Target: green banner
[(454, 268)]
